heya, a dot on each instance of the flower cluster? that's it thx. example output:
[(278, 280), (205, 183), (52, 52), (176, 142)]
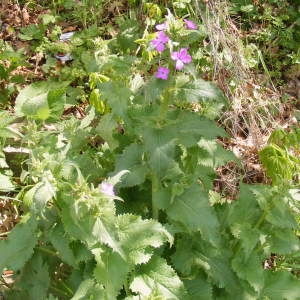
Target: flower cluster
[(180, 57)]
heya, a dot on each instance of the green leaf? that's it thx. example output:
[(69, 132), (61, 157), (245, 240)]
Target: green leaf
[(132, 160), (38, 196), (199, 90), (281, 285), (106, 128), (61, 243), (33, 100), (199, 289), (36, 107), (275, 203), (111, 271), (189, 127), (88, 119), (193, 255), (248, 235), (18, 248), (5, 131), (159, 279), (245, 209), (34, 279), (278, 163), (88, 289), (192, 209), (78, 222), (117, 96), (249, 269), (138, 237), (160, 145), (212, 155), (105, 232), (283, 241), (154, 89), (56, 100)]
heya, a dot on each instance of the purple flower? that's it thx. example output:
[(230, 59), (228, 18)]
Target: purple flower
[(162, 26), (190, 24), (107, 189), (181, 57), (162, 73), (159, 42)]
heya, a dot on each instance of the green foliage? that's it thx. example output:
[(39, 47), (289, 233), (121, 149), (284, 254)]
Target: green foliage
[(281, 156), (42, 100), (20, 244), (276, 25), (10, 60), (118, 204)]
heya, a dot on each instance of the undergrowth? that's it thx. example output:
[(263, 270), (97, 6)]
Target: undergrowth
[(120, 202)]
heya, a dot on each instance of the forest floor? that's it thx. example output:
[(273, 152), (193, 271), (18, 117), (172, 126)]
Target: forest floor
[(248, 119)]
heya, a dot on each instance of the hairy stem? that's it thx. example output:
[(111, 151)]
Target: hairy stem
[(155, 211)]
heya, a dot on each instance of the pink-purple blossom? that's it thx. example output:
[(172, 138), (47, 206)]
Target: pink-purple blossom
[(162, 73), (190, 24), (181, 57), (159, 42), (162, 26), (107, 189)]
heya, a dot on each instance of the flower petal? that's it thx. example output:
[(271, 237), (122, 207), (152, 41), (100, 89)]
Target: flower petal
[(174, 55), (160, 47), (190, 24), (162, 37), (162, 26), (179, 65), (162, 73)]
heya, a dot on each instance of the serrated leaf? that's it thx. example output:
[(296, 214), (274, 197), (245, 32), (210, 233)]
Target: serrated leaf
[(283, 241), (78, 223), (136, 82), (192, 209), (193, 254), (276, 205), (159, 279), (88, 289), (213, 155), (18, 248), (111, 271), (154, 89), (105, 232), (34, 279), (249, 269), (199, 90), (138, 237), (248, 235), (281, 285)]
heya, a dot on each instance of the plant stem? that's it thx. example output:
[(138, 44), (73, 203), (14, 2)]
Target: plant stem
[(45, 250), (155, 210)]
